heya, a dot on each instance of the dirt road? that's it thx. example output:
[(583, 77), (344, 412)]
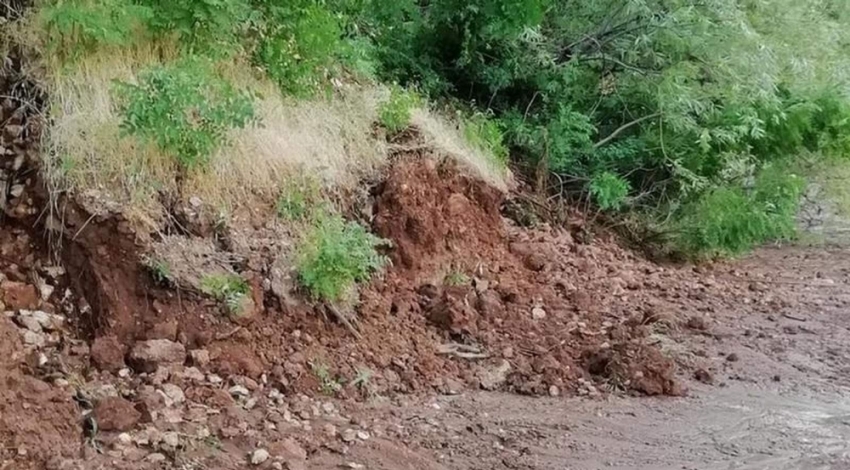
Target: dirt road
[(779, 398)]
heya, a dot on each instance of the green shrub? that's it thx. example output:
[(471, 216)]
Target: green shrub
[(732, 220), (335, 255), (77, 26), (228, 289), (208, 26), (456, 279), (184, 108), (609, 190), (395, 113)]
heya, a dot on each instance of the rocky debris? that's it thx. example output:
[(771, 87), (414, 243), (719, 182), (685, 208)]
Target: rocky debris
[(732, 357), (116, 414), (349, 435), (259, 456), (38, 321), (554, 391), (147, 355), (107, 353), (239, 391), (492, 378), (173, 394), (451, 311)]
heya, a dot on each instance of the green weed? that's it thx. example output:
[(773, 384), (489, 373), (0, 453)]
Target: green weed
[(327, 383), (298, 198), (229, 289), (74, 27), (456, 279), (395, 113), (484, 133), (334, 255), (159, 270)]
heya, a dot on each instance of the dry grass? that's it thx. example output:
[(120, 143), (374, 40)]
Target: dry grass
[(330, 139), (445, 137)]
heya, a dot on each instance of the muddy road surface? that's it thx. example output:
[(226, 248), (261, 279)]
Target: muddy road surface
[(773, 396)]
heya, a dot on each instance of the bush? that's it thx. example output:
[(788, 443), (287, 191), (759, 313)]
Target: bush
[(335, 255), (74, 27), (395, 113), (298, 198), (298, 46), (732, 220), (184, 108), (209, 26)]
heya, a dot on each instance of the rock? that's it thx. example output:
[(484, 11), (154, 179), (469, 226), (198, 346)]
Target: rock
[(107, 354), (174, 394), (703, 376), (147, 355), (170, 440), (732, 357), (32, 338), (330, 430), (259, 456), (489, 304), (288, 449), (349, 435), (193, 374), (362, 435), (28, 322), (554, 391), (493, 377), (17, 295), (199, 357), (155, 457), (791, 329), (508, 352), (452, 312), (538, 313), (115, 414), (37, 321), (238, 391), (452, 386)]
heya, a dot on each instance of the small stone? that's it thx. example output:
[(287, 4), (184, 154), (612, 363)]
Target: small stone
[(508, 352), (330, 430), (60, 382), (251, 403), (538, 313), (147, 355), (452, 387), (349, 435), (355, 466), (259, 456), (33, 339), (199, 357), (777, 378), (171, 440), (124, 373), (362, 435), (193, 374), (214, 379), (125, 438), (732, 357), (554, 391), (238, 391), (277, 466), (791, 329), (174, 393), (328, 407), (155, 457)]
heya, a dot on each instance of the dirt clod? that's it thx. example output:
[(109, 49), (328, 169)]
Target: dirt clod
[(107, 353), (17, 295), (116, 414)]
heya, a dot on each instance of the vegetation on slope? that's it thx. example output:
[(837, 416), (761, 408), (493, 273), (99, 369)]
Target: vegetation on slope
[(689, 115)]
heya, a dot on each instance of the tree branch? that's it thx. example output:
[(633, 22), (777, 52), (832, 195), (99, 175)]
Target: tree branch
[(622, 128)]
